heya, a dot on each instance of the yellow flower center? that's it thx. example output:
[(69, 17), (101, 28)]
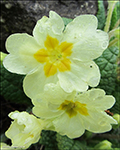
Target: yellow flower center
[(55, 56), (72, 108)]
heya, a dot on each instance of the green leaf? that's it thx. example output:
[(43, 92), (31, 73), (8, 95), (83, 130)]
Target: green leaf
[(118, 10), (107, 65), (101, 14), (48, 139), (66, 20), (65, 143), (115, 15), (116, 94), (11, 87), (104, 145)]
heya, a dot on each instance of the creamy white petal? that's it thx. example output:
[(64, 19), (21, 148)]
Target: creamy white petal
[(104, 103), (45, 112), (43, 108), (90, 72), (55, 94), (22, 48), (96, 98), (80, 27), (70, 81), (34, 83), (72, 127), (88, 97), (52, 26), (80, 76), (98, 122), (90, 46)]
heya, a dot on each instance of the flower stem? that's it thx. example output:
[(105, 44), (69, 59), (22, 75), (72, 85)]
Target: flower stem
[(113, 42), (111, 5), (117, 24)]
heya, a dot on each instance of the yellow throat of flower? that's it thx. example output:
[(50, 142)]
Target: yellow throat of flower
[(54, 56), (72, 108)]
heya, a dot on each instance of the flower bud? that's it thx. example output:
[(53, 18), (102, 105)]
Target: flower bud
[(2, 56), (104, 145), (117, 118)]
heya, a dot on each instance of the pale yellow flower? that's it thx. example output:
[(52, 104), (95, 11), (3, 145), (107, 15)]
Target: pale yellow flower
[(54, 54), (72, 114), (24, 130)]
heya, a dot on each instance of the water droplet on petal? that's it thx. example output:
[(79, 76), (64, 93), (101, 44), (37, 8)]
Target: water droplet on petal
[(102, 123), (80, 34), (104, 45), (48, 28), (41, 29), (90, 44)]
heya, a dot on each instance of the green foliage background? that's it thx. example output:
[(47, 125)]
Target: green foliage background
[(12, 91)]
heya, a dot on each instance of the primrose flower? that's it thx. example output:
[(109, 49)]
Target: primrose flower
[(24, 130), (73, 113), (55, 54)]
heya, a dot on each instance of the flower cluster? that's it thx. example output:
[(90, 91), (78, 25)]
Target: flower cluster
[(59, 68)]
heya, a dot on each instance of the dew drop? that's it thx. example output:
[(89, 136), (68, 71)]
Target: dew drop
[(104, 45), (90, 44), (102, 123), (48, 28), (80, 34), (41, 29)]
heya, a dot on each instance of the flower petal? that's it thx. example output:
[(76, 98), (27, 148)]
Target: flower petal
[(22, 48), (34, 83), (53, 93), (96, 98), (91, 46), (81, 26), (69, 82), (52, 26), (64, 65), (79, 77), (98, 122), (90, 72), (41, 56), (50, 69), (45, 113), (72, 127), (104, 103)]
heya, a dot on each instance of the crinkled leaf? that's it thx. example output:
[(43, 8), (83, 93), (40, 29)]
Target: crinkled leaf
[(107, 65), (65, 143), (48, 139), (101, 14), (11, 87), (116, 94)]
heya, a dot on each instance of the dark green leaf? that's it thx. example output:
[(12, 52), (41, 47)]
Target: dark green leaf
[(107, 65), (101, 14), (116, 94), (48, 139), (11, 87), (65, 143)]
